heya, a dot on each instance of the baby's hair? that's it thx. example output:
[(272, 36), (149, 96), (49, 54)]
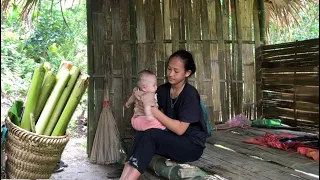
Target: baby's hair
[(142, 75)]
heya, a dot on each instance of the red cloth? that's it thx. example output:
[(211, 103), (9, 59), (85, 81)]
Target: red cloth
[(310, 152), (272, 140), (105, 103)]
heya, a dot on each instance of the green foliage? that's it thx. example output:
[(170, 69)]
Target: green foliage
[(16, 69), (45, 38), (52, 39), (307, 28)]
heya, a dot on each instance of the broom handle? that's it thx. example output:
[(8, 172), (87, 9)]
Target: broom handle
[(105, 91)]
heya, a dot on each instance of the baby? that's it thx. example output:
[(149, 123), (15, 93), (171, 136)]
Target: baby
[(144, 98)]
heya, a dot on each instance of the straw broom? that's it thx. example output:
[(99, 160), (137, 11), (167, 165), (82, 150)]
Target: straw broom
[(106, 144)]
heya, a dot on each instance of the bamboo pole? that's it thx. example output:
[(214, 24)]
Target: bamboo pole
[(73, 101), (133, 38), (196, 49), (167, 27), (141, 36), (32, 97), (74, 73), (149, 15), (207, 61), (52, 101), (258, 96), (246, 8), (239, 62), (117, 85), (182, 33), (125, 57), (174, 171), (90, 63), (214, 65), (262, 20), (226, 34), (235, 102), (159, 46), (174, 19), (46, 88), (221, 60)]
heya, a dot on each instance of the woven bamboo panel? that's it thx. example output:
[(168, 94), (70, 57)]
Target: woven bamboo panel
[(290, 82)]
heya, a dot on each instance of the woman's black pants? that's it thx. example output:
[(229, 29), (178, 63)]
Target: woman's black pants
[(164, 143)]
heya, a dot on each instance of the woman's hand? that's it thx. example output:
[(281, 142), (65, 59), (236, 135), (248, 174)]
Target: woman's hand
[(173, 125)]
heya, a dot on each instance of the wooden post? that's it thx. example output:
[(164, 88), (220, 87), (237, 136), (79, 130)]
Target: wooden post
[(90, 135), (257, 84)]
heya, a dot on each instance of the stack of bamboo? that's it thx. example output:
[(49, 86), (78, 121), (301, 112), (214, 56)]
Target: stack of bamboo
[(52, 98)]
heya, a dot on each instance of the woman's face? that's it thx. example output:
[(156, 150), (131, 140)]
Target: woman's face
[(175, 71)]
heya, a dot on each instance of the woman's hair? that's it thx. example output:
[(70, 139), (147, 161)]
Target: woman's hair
[(187, 60), (142, 75)]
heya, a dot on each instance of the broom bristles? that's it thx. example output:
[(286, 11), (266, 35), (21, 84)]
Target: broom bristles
[(106, 144)]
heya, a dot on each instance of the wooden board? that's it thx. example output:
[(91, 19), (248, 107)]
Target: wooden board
[(285, 158), (277, 111), (312, 42), (237, 164), (233, 165), (300, 106)]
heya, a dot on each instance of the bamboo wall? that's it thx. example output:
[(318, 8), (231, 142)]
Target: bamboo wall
[(126, 36), (289, 75)]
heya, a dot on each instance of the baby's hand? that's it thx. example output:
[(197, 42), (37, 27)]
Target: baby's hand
[(150, 117), (127, 105)]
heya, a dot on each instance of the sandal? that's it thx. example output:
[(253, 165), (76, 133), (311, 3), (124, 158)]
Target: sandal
[(62, 164), (115, 174), (58, 168)]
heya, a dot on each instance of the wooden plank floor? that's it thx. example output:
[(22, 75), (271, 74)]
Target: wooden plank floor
[(239, 163)]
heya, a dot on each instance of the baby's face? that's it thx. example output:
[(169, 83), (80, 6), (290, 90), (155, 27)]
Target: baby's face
[(151, 85)]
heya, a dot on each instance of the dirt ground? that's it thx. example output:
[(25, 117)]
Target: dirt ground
[(80, 168)]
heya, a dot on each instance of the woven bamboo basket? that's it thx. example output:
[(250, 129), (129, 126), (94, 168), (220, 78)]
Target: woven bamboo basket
[(32, 156)]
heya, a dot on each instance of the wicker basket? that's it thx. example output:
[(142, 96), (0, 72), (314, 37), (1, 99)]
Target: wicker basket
[(32, 156)]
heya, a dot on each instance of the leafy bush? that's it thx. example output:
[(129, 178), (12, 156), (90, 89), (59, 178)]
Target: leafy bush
[(46, 38), (51, 39), (307, 27)]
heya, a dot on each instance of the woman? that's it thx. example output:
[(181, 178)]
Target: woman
[(182, 116)]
